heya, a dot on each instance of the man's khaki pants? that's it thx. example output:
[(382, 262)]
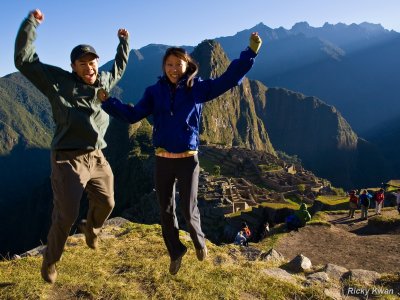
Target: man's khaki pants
[(72, 173)]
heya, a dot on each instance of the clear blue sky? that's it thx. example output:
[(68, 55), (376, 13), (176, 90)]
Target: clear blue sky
[(173, 22)]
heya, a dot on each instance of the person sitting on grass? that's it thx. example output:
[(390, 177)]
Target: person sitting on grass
[(240, 239), (298, 219), (246, 230)]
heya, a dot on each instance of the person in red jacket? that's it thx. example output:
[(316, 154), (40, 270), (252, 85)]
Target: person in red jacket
[(379, 198), (246, 233), (353, 203)]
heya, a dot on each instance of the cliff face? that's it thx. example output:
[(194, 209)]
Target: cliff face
[(231, 119), (293, 119), (320, 136)]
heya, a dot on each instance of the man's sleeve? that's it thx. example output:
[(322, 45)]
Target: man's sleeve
[(27, 60), (119, 64)]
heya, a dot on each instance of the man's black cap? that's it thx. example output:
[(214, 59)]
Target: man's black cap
[(81, 50)]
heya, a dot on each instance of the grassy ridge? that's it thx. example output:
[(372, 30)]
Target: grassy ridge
[(132, 264), (332, 203)]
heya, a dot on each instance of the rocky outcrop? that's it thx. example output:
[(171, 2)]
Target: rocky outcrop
[(272, 255), (300, 264), (280, 274), (334, 281), (361, 276), (335, 272)]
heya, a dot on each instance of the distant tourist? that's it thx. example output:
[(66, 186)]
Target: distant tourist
[(303, 214), (365, 202), (176, 102), (379, 198), (240, 239), (353, 203), (246, 232), (77, 162), (298, 219), (265, 231)]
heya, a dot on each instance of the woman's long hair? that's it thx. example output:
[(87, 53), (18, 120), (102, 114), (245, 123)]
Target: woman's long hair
[(181, 53)]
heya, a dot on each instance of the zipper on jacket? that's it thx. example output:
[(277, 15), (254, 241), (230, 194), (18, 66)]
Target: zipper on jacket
[(172, 92)]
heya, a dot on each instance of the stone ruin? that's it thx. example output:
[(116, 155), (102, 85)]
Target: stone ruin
[(233, 194), (254, 177), (263, 169)]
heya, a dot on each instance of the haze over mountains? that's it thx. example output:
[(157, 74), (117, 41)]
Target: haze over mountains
[(269, 112), (356, 68)]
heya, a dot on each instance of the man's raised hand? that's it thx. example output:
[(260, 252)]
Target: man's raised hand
[(123, 33), (38, 15)]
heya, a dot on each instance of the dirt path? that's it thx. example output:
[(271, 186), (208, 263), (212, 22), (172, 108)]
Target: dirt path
[(346, 243)]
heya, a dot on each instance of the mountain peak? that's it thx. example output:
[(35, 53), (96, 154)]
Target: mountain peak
[(301, 26), (304, 27), (364, 26), (372, 27), (211, 59), (259, 27)]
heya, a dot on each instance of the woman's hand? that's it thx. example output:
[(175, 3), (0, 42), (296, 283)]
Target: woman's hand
[(255, 42)]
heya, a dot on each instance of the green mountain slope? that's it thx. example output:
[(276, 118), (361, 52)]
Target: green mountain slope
[(26, 112)]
